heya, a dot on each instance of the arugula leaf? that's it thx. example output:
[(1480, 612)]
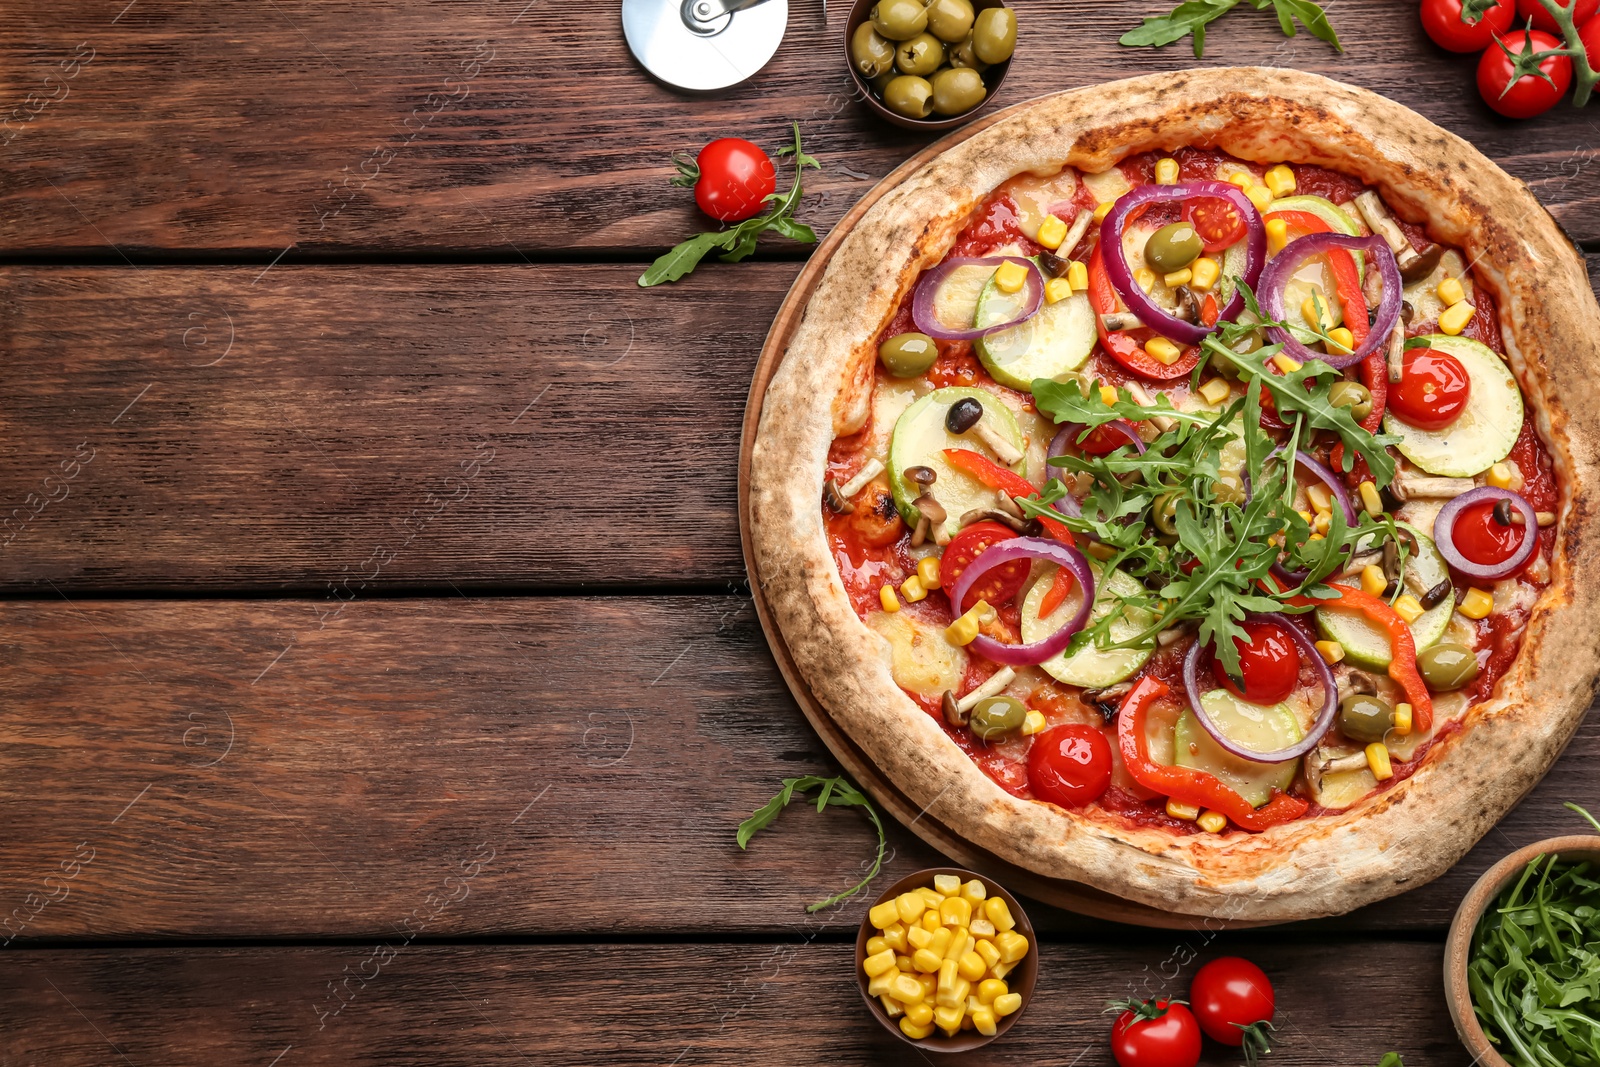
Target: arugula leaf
[(1311, 15), (836, 792), (684, 258), (1193, 16)]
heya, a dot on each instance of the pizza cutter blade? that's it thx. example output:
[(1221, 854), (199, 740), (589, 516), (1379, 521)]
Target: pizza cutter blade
[(703, 45)]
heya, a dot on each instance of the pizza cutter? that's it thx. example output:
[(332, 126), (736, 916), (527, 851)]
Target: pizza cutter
[(702, 45)]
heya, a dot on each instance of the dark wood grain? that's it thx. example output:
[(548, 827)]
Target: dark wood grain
[(239, 769), (256, 128), (788, 1002)]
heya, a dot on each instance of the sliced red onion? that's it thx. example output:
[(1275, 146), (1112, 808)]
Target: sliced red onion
[(1069, 434), (922, 304), (1324, 474), (1148, 311), (1275, 279), (1444, 533), (1002, 552), (1324, 721)]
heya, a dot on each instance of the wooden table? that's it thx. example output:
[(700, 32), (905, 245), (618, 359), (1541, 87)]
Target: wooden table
[(380, 682)]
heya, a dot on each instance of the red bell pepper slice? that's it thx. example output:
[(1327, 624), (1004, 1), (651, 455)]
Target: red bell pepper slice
[(995, 476), (1186, 784), (1121, 343), (1402, 647)]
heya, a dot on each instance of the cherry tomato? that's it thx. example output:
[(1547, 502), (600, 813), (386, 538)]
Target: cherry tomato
[(1483, 540), (1070, 765), (731, 179), (1270, 664), (1433, 389), (1103, 440), (1233, 1002), (1471, 32), (1126, 346), (1589, 34), (1582, 11), (1000, 584), (1528, 95), (1217, 221), (1156, 1033)]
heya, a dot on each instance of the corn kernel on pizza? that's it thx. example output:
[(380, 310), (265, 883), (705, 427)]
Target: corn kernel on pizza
[(1181, 486)]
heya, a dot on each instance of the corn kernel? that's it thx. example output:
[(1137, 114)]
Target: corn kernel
[(1285, 364), (1314, 309), (906, 989), (1108, 395), (926, 961), (1477, 604), (1321, 499), (1402, 719), (1451, 292), (990, 988), (966, 1020), (1179, 277), (928, 575), (1408, 608), (964, 629), (1033, 723), (930, 920), (1373, 580), (983, 1021), (1051, 232), (1145, 277), (1280, 180), (941, 941), (1214, 391), (1057, 290), (1163, 350), (913, 1031), (929, 984), (1242, 178), (904, 963), (1167, 171), (1103, 210), (1455, 319), (1321, 523), (1012, 945), (974, 892), (1212, 822), (1305, 515), (1330, 651), (891, 1007), (920, 1013), (912, 589), (981, 928), (1370, 499), (885, 914), (918, 937), (1010, 277), (1378, 761), (883, 984), (1277, 234), (876, 945), (932, 897), (1499, 476), (886, 597), (1179, 810), (894, 935), (948, 1018), (955, 911), (1203, 273), (876, 964), (959, 944), (997, 912), (1260, 196), (1007, 1003), (1001, 969), (986, 949), (947, 974), (946, 884), (1078, 275), (910, 907), (1342, 340), (971, 966), (957, 997)]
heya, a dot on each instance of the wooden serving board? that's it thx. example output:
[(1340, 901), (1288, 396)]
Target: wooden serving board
[(1073, 896)]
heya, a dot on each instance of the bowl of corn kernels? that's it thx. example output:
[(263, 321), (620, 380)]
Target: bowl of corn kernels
[(946, 960)]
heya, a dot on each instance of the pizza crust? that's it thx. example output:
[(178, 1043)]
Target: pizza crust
[(1395, 840)]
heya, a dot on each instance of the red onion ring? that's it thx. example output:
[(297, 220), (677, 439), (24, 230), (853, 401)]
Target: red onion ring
[(1002, 552), (1324, 721), (1276, 278), (1324, 474), (1148, 311), (928, 289), (1444, 530)]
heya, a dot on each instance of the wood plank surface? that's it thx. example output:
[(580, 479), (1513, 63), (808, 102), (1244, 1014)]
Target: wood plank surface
[(243, 128), (224, 769), (787, 1002), (336, 430)]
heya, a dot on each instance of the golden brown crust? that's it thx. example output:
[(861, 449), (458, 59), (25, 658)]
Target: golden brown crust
[(1394, 840)]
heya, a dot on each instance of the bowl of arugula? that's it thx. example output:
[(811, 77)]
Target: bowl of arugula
[(1522, 962)]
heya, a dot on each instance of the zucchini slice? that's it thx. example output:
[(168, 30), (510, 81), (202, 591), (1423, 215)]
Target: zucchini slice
[(920, 438), (1486, 430), (1090, 667), (1364, 644), (1266, 728), (1337, 218), (1054, 342)]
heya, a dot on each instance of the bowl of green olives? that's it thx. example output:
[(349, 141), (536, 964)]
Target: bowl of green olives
[(929, 64)]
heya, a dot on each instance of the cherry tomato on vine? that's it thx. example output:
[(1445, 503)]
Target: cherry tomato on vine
[(1218, 222), (1508, 83), (1000, 584), (1481, 538), (1433, 389), (1233, 1003), (731, 178), (1582, 11), (1589, 34), (1270, 664), (1467, 25), (1070, 765), (1155, 1033)]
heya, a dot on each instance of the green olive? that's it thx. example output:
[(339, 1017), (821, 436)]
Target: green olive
[(899, 20), (922, 55), (962, 55), (906, 355), (1352, 395), (995, 717), (1228, 489), (950, 20), (910, 96), (870, 52), (994, 34), (1365, 718), (957, 89), (1173, 247), (1164, 513), (1447, 666), (881, 82)]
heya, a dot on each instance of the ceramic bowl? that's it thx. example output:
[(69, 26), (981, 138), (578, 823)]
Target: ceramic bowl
[(992, 77)]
